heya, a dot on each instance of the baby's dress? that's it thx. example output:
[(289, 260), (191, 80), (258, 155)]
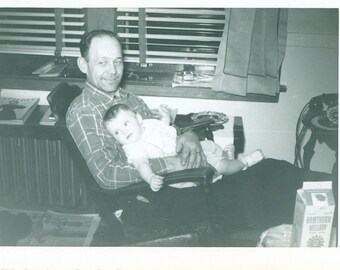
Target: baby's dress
[(158, 140)]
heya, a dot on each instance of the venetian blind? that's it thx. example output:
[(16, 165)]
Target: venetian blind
[(170, 35), (41, 31)]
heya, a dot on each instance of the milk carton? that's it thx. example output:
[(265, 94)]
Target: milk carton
[(313, 216)]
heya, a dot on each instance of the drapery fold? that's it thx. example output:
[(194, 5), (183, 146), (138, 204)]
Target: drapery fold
[(251, 51)]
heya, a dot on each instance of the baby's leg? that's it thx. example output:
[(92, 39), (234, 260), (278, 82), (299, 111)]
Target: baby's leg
[(227, 166), (251, 159), (229, 151)]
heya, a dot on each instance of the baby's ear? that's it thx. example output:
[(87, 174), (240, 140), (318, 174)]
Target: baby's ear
[(139, 118)]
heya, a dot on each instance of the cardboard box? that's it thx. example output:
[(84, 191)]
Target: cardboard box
[(313, 216)]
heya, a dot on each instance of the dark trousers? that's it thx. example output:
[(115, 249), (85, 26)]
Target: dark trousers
[(262, 196)]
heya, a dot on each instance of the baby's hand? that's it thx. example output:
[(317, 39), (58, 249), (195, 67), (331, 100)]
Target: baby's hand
[(164, 110), (167, 114), (156, 182)]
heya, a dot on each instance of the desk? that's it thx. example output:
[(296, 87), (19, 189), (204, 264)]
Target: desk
[(37, 171)]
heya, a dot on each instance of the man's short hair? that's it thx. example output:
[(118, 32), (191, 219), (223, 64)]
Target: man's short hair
[(86, 40), (112, 112)]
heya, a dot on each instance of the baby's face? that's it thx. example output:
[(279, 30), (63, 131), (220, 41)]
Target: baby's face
[(126, 128)]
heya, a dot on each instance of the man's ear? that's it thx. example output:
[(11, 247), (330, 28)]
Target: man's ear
[(82, 64), (139, 118)]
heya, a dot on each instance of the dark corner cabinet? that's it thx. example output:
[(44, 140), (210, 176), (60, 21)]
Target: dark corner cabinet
[(36, 170)]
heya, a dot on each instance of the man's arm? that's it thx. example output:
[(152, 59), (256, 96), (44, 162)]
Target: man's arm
[(102, 157), (189, 154), (188, 145)]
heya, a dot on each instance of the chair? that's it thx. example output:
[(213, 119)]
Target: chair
[(119, 232)]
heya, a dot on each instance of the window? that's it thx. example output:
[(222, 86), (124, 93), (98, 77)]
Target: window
[(170, 36), (150, 35), (41, 31)]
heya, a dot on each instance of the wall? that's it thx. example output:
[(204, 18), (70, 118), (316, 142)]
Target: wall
[(310, 68)]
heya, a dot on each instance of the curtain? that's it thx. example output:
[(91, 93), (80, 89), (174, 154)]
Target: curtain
[(251, 51)]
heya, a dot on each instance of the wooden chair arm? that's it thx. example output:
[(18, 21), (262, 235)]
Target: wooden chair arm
[(201, 176)]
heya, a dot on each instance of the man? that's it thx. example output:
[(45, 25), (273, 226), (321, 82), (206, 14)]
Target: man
[(265, 192), (102, 62)]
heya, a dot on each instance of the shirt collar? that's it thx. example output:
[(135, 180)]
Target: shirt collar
[(106, 97)]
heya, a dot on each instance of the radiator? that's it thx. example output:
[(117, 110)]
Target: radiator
[(39, 172)]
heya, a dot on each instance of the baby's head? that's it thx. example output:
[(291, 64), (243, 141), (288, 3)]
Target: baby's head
[(123, 124)]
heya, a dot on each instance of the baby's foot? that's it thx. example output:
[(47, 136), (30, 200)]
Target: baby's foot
[(230, 150), (252, 159)]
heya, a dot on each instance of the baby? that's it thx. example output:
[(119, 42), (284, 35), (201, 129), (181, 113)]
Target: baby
[(151, 138)]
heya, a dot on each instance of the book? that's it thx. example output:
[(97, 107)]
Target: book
[(55, 71), (45, 68), (15, 110)]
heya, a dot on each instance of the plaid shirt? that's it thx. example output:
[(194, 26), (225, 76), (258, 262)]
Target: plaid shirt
[(103, 154)]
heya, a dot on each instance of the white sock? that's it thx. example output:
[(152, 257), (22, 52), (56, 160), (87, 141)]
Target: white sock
[(230, 150), (251, 159)]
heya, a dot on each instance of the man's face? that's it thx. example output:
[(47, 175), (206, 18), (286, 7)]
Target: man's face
[(104, 67), (126, 127)]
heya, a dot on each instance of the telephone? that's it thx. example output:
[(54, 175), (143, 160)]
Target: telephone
[(322, 112), (202, 123)]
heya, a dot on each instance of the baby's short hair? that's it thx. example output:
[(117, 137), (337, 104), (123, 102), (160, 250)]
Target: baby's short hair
[(112, 112)]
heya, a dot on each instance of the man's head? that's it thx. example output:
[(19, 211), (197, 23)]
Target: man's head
[(123, 124), (101, 59)]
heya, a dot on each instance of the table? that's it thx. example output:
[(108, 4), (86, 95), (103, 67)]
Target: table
[(230, 132)]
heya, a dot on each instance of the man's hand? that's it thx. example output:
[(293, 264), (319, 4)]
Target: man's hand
[(156, 182), (189, 147)]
